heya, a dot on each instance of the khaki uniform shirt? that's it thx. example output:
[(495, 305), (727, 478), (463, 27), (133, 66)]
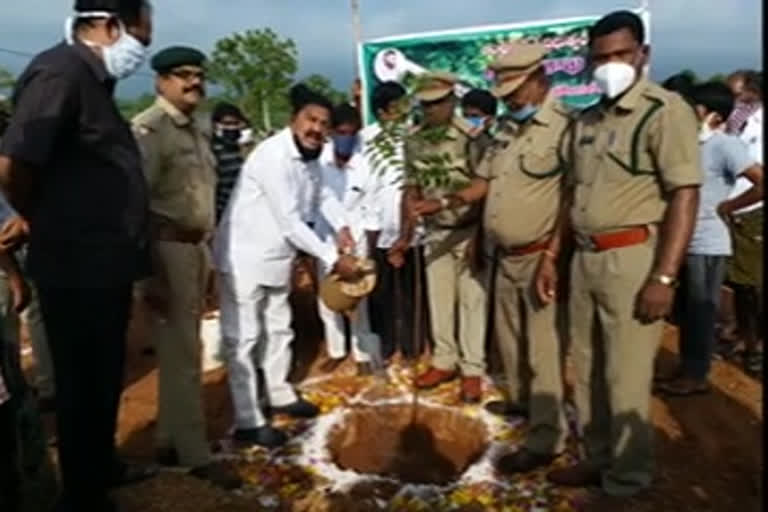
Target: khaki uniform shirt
[(179, 165), (465, 147), (525, 169), (627, 157)]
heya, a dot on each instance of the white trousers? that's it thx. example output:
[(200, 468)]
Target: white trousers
[(366, 345), (256, 333)]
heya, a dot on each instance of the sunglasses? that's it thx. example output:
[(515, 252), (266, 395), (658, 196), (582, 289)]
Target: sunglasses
[(188, 75)]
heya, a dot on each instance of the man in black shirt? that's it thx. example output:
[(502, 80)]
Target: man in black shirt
[(72, 169)]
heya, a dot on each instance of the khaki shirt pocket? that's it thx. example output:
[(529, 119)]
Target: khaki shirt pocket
[(541, 163)]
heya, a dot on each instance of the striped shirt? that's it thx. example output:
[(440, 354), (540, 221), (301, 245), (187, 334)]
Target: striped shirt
[(229, 161), (738, 118)]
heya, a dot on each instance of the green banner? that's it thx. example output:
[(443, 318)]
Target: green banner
[(467, 53)]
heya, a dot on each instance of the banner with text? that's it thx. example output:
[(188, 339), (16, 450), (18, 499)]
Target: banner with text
[(467, 53)]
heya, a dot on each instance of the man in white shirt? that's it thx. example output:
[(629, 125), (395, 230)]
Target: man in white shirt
[(745, 273), (347, 175), (277, 194), (392, 301)]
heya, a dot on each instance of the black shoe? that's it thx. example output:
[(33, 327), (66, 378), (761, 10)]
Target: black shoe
[(167, 457), (506, 409), (266, 437), (364, 369), (300, 409), (218, 475), (128, 474), (523, 461)]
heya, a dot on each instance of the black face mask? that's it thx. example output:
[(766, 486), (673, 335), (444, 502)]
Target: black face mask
[(230, 135), (307, 154)]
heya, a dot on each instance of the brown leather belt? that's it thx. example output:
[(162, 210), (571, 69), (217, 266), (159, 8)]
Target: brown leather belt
[(165, 231), (539, 246), (614, 239)]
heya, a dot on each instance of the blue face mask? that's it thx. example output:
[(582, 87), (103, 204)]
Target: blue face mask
[(344, 145), (524, 113), (476, 121)]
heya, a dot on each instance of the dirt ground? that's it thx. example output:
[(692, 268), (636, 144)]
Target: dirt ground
[(709, 448)]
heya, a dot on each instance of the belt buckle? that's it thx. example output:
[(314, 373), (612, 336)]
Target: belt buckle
[(586, 243)]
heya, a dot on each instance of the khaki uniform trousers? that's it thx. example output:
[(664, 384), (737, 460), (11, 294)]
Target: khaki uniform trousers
[(613, 356), (457, 295), (176, 336), (529, 342)]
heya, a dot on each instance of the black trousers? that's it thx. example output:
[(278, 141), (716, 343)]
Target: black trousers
[(391, 305), (86, 331)]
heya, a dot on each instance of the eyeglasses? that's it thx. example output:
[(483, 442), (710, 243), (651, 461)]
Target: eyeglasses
[(188, 75)]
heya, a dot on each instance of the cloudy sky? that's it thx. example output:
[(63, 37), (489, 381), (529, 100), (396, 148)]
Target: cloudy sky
[(707, 36)]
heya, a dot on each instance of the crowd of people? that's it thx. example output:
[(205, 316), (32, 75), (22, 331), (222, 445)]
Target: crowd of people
[(572, 231)]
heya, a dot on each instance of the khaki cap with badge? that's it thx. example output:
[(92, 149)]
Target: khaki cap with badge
[(515, 66), (435, 85)]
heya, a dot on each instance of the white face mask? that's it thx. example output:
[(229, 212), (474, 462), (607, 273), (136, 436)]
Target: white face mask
[(614, 78), (123, 57)]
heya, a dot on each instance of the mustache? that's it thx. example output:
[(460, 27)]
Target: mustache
[(198, 88), (313, 135)]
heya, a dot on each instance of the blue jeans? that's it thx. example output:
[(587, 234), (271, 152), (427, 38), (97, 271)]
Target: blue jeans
[(702, 277)]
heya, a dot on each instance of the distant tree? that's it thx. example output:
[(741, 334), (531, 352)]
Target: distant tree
[(130, 107), (324, 86), (255, 68), (7, 81), (718, 77), (691, 75)]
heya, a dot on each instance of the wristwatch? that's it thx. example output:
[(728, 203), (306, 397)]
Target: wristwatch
[(445, 202), (666, 280)]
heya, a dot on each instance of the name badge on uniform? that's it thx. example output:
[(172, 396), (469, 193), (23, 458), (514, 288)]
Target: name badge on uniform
[(611, 139), (586, 140)]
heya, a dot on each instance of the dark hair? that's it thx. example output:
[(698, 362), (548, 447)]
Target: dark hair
[(482, 100), (302, 96), (223, 109), (345, 114), (681, 83), (617, 21), (5, 119), (715, 97), (385, 94), (753, 82), (128, 11)]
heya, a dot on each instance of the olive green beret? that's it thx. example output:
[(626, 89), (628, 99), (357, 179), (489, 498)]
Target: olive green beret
[(176, 56)]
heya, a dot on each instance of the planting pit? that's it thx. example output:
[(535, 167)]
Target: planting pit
[(421, 445)]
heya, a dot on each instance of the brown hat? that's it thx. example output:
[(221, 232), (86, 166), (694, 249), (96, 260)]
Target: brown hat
[(515, 65), (435, 85)]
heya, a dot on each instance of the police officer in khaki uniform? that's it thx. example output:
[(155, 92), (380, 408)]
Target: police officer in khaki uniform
[(180, 171), (520, 179), (634, 176), (455, 288)]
